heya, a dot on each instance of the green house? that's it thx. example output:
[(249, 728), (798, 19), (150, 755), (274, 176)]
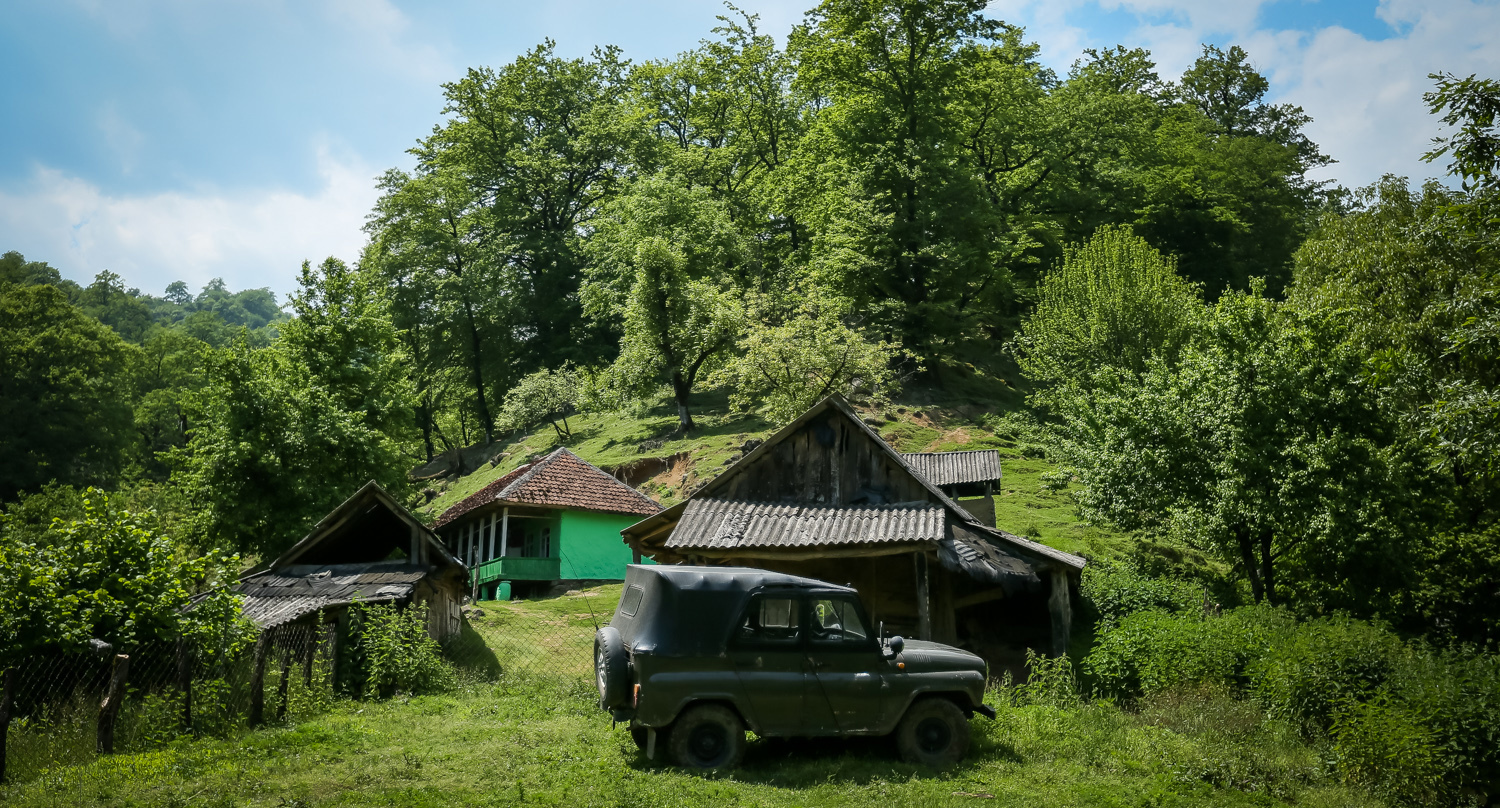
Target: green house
[(551, 520)]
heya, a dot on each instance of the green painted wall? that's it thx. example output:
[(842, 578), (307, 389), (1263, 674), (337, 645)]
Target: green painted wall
[(591, 545)]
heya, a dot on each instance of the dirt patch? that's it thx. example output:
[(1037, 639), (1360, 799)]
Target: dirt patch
[(676, 476), (642, 469), (953, 437)]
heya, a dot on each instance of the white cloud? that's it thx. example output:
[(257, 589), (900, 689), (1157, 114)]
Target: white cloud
[(249, 238), (1365, 97)]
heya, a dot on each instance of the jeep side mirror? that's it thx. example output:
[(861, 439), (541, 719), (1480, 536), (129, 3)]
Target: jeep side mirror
[(893, 647)]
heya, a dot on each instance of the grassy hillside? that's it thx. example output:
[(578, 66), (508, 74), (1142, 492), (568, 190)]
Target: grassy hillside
[(964, 415)]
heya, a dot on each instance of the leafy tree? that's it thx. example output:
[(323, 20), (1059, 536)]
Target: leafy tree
[(64, 392), (1261, 443), (667, 260), (106, 575), (546, 395), (1473, 105), (1114, 302), (789, 366), (1419, 288), (286, 433)]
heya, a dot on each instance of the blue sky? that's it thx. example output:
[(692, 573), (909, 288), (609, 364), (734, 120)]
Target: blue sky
[(179, 139)]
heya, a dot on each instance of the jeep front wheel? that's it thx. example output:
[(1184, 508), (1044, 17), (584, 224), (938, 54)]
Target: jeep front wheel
[(934, 732), (708, 737)]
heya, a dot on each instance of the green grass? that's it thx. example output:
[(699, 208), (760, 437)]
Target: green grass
[(1023, 505), (533, 735), (537, 741)]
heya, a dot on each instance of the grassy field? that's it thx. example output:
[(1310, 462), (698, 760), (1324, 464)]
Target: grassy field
[(533, 736), (538, 741)]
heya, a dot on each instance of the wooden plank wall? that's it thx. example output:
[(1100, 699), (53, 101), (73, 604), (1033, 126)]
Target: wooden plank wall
[(829, 461)]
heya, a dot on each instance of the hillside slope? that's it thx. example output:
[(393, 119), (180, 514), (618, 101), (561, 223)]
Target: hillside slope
[(645, 450)]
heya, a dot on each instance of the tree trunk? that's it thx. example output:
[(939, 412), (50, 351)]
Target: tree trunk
[(682, 388), (476, 364), (1267, 580), (109, 709), (1247, 557)]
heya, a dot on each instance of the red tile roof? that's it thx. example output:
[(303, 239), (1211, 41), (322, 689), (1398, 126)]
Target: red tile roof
[(560, 480)]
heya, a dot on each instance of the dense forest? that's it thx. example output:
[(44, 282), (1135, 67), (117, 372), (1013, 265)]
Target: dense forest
[(1295, 378)]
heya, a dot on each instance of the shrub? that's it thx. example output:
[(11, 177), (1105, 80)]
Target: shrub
[(1387, 747), (1116, 589), (1320, 664), (394, 653), (1050, 681), (1151, 651)]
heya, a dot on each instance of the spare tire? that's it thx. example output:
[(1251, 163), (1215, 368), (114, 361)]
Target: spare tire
[(611, 668)]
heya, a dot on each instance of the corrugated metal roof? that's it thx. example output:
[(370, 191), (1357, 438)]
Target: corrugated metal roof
[(281, 596), (560, 480), (955, 468), (721, 523)]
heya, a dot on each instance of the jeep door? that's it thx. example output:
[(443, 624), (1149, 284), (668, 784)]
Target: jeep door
[(767, 651), (849, 685)]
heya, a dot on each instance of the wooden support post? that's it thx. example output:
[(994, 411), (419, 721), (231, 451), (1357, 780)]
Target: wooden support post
[(109, 709), (7, 698), (491, 553), (924, 607), (281, 686), (1060, 606), (505, 533), (185, 682), (308, 650), (258, 680)]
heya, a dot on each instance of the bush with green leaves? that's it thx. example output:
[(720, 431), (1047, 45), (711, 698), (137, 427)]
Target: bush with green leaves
[(109, 575), (1311, 669), (1116, 589), (1153, 651), (394, 653)]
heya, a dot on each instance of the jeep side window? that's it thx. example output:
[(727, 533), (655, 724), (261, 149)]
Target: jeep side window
[(770, 621), (836, 621)]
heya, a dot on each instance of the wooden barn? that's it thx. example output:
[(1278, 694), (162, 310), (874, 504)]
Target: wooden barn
[(369, 549), (827, 498)]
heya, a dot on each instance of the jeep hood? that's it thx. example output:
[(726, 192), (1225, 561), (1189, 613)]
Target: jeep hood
[(925, 655)]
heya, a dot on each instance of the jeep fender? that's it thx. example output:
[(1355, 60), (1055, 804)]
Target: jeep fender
[(661, 719)]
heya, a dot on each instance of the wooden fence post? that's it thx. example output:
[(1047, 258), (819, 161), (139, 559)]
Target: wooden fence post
[(258, 680), (109, 709), (308, 651), (7, 697), (281, 686), (185, 682)]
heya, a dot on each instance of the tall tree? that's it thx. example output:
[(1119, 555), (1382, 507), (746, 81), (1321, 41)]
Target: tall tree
[(64, 392), (287, 432), (666, 260)]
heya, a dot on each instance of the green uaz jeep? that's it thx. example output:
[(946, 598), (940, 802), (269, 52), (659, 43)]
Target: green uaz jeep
[(695, 655)]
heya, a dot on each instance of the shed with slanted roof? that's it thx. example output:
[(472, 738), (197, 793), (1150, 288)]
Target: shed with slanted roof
[(553, 520), (825, 497), (370, 549)]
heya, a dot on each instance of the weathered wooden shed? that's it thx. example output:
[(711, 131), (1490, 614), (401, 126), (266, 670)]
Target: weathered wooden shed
[(826, 497), (369, 549), (971, 477)]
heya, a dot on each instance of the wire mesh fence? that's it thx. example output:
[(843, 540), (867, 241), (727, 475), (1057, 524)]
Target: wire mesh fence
[(542, 637), (67, 707), (64, 707)]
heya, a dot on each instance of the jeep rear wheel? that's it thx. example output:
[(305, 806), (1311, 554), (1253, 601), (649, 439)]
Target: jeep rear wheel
[(708, 737), (934, 732), (611, 667)]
